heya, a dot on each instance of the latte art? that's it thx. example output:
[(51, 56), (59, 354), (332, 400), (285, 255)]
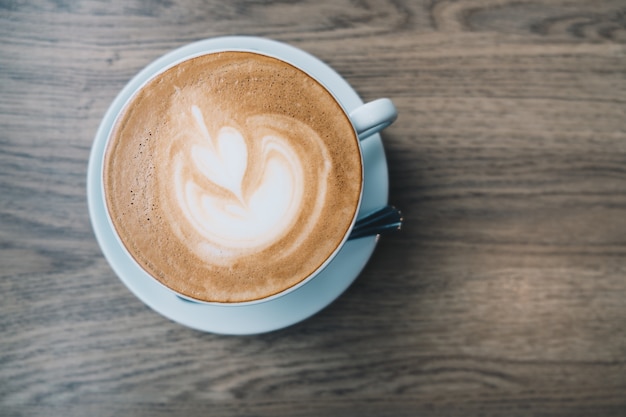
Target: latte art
[(232, 176), (231, 208)]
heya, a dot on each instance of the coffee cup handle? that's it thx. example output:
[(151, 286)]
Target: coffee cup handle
[(372, 117)]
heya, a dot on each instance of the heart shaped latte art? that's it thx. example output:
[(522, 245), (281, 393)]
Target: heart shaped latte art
[(239, 192)]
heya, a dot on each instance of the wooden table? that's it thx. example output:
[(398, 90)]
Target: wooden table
[(504, 294)]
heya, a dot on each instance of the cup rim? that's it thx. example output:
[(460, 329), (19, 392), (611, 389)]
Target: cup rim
[(178, 56)]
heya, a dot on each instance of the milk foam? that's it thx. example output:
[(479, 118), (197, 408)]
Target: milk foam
[(234, 209)]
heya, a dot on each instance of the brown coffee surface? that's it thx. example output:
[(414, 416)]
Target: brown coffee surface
[(232, 176)]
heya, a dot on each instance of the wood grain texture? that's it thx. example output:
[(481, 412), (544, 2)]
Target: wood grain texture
[(505, 293)]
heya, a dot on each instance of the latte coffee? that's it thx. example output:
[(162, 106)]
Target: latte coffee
[(232, 176)]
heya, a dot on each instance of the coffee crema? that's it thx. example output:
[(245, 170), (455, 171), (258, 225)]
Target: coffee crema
[(232, 176)]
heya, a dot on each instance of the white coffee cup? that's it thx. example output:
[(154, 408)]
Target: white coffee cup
[(366, 119)]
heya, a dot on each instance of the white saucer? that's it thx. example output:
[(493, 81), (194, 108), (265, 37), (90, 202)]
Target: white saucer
[(277, 313)]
